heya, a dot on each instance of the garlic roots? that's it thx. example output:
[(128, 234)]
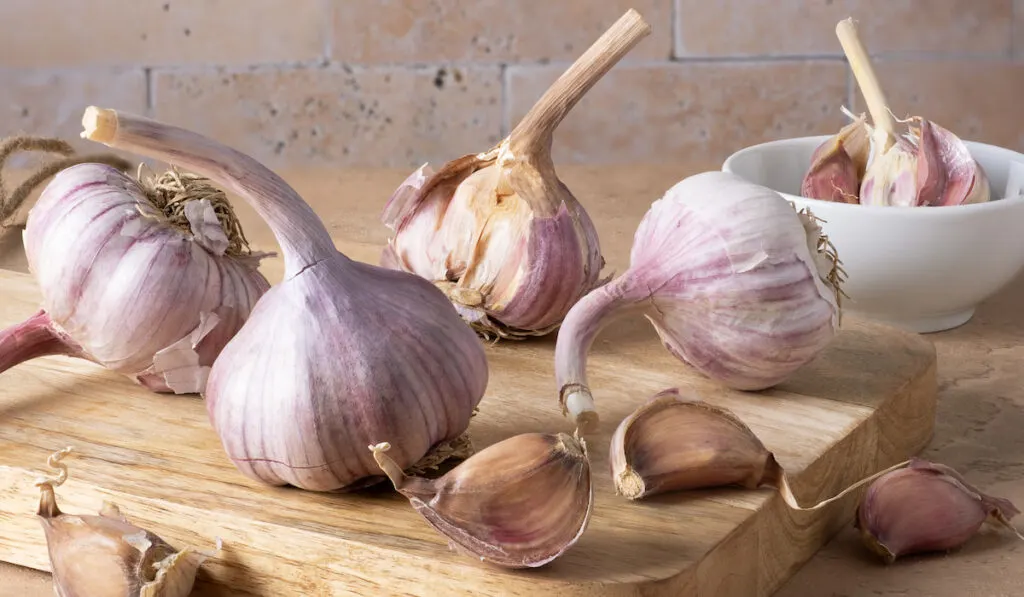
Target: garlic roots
[(519, 503), (926, 507), (672, 443), (337, 355), (498, 232), (737, 284), (149, 279), (928, 166), (107, 556)]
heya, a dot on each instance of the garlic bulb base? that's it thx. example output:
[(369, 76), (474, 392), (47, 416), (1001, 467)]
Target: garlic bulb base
[(629, 484)]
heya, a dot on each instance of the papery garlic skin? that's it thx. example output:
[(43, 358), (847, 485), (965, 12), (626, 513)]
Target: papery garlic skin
[(736, 283), (406, 389), (128, 291), (838, 164), (926, 507), (337, 354), (519, 503)]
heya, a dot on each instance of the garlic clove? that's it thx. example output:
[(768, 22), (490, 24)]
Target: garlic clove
[(947, 174), (499, 232), (107, 556), (891, 177), (838, 164), (672, 444), (926, 507), (519, 503)]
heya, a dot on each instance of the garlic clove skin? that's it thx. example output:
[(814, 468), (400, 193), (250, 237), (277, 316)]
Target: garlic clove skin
[(107, 556), (333, 357), (926, 507), (122, 287), (947, 174), (736, 283), (672, 444), (838, 164), (519, 503)]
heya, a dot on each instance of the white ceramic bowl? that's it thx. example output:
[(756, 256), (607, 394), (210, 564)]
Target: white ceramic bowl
[(921, 268)]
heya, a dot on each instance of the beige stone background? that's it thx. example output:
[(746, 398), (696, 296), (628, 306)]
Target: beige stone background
[(398, 82)]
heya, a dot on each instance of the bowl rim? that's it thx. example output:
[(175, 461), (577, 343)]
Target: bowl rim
[(894, 210)]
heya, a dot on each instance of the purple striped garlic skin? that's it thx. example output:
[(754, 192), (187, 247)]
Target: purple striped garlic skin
[(733, 279), (336, 357), (125, 289)]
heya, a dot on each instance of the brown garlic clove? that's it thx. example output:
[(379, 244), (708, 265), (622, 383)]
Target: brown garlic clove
[(107, 556), (519, 503), (671, 444), (838, 165), (925, 507)]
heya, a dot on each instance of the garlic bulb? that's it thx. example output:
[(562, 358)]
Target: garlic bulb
[(927, 166), (149, 279), (107, 556), (838, 164), (737, 284), (337, 355), (519, 503), (498, 232), (926, 507)]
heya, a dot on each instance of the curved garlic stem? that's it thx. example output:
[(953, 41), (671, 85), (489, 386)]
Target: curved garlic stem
[(33, 338), (534, 132), (787, 493), (581, 326), (395, 474), (867, 80), (303, 238)]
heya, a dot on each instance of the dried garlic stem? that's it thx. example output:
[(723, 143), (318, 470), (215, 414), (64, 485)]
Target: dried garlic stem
[(534, 132), (10, 203), (303, 238), (619, 298), (867, 80), (35, 337), (782, 484)]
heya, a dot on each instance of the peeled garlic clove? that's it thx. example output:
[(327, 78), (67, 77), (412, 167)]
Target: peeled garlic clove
[(519, 503), (107, 556), (926, 507), (149, 279), (737, 284), (838, 164), (336, 355), (671, 444), (498, 232)]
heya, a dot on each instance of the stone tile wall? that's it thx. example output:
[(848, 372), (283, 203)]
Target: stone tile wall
[(399, 82)]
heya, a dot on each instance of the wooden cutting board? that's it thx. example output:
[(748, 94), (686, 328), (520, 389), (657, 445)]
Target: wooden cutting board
[(864, 404)]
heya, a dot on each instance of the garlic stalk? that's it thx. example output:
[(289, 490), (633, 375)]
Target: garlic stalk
[(737, 284), (498, 232), (926, 507), (673, 443), (147, 278), (337, 355), (519, 503), (927, 166), (107, 556)]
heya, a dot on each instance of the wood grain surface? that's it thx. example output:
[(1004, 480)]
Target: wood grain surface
[(867, 402)]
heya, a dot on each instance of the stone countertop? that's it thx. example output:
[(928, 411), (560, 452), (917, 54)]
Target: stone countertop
[(980, 404)]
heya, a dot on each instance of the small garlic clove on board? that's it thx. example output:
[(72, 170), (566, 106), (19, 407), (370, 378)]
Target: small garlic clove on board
[(838, 165), (926, 507), (498, 231), (672, 444), (519, 503), (107, 556), (736, 283)]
